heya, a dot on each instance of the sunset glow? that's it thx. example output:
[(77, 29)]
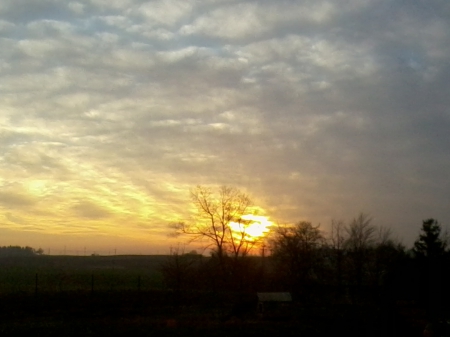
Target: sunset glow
[(259, 226)]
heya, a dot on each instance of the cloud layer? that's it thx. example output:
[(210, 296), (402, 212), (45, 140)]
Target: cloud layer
[(111, 110)]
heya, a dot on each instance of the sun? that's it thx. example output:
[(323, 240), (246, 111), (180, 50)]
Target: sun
[(254, 226)]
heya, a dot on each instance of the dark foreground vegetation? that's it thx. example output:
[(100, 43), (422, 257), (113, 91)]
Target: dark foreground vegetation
[(161, 313), (358, 282)]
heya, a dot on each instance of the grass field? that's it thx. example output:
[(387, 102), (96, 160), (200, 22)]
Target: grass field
[(70, 273)]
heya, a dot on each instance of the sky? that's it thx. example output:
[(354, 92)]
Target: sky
[(112, 110)]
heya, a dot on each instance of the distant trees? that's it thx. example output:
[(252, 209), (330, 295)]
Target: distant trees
[(336, 252), (360, 238), (19, 251), (356, 255), (296, 250), (360, 233), (431, 241), (387, 255)]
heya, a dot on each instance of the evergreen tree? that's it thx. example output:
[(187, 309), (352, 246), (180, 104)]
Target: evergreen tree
[(431, 242)]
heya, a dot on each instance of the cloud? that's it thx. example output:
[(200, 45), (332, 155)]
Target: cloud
[(106, 5), (236, 21), (112, 110), (165, 12), (89, 210), (76, 7), (13, 199)]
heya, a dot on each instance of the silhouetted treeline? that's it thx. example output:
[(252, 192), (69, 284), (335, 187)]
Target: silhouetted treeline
[(19, 251), (356, 263)]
